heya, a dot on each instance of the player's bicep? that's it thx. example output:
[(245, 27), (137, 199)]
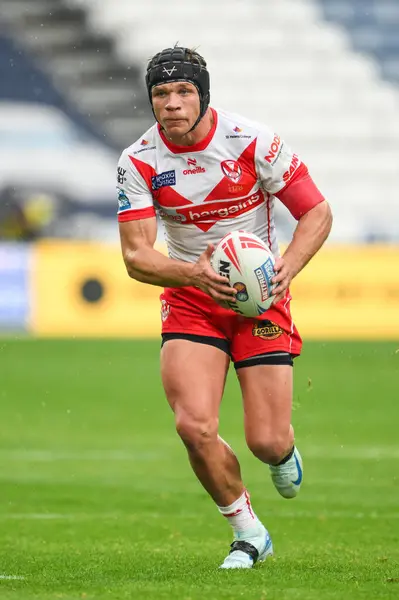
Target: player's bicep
[(300, 194), (137, 234)]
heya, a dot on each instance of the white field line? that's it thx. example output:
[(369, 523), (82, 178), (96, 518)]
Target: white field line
[(89, 455), (327, 452), (292, 514), (352, 452), (11, 577)]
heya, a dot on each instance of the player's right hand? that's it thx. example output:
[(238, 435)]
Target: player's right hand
[(213, 284)]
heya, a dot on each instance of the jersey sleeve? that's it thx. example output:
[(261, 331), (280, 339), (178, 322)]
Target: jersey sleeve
[(135, 200), (284, 175)]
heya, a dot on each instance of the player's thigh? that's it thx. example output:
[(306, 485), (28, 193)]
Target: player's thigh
[(193, 376), (267, 397)]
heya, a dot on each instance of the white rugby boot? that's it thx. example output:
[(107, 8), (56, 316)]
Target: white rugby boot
[(244, 554), (287, 478)]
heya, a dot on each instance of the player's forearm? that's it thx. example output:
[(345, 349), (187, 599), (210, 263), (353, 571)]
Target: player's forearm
[(150, 266), (310, 234)]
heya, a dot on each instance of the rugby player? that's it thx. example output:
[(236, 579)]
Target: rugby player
[(207, 172)]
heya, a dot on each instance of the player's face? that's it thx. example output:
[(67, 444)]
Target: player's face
[(176, 107)]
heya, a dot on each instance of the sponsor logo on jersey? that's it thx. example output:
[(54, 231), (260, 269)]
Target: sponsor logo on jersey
[(120, 175), (219, 210), (192, 162), (274, 150), (123, 200), (264, 274), (210, 212), (242, 293), (164, 179), (144, 142), (267, 330), (144, 149), (293, 167), (232, 169), (238, 134)]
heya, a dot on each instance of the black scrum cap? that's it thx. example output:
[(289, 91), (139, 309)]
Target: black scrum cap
[(180, 64)]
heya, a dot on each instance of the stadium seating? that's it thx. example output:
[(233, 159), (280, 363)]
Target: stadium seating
[(291, 64), (23, 81), (283, 64), (78, 61), (373, 26)]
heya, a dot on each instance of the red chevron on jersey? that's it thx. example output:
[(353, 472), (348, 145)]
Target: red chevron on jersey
[(145, 170), (165, 196), (235, 187), (169, 198), (227, 182)]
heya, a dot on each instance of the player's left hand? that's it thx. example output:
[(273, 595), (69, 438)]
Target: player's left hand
[(283, 278)]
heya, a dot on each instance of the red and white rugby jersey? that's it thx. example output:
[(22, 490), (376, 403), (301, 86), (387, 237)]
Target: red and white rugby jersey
[(228, 181)]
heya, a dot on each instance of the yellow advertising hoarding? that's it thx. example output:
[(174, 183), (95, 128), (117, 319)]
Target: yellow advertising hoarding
[(64, 274), (82, 289)]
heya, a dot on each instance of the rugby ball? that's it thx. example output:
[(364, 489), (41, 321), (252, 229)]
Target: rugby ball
[(249, 265)]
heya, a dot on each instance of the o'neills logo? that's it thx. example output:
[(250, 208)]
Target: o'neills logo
[(192, 162), (267, 330), (194, 171)]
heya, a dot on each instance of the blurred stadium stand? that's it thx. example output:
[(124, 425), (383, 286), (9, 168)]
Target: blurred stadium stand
[(82, 63), (309, 68), (373, 26)]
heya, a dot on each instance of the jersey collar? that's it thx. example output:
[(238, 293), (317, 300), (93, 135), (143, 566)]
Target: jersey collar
[(202, 145)]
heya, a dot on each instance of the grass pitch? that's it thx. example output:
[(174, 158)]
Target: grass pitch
[(98, 501)]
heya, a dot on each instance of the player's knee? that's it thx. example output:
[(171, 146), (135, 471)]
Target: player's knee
[(196, 434), (269, 448)]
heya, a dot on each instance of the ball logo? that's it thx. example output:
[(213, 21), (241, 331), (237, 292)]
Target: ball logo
[(231, 253), (264, 275), (232, 170), (249, 242), (242, 293)]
